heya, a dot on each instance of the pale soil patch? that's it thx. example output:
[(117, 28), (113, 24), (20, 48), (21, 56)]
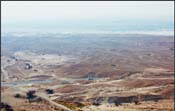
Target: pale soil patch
[(156, 70), (47, 59), (107, 107)]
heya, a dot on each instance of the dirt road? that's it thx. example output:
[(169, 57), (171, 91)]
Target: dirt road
[(44, 96)]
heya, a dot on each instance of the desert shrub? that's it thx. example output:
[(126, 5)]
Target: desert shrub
[(117, 103), (39, 99), (49, 91), (136, 102), (30, 95), (96, 103), (80, 105), (156, 100), (113, 65), (17, 96), (5, 107)]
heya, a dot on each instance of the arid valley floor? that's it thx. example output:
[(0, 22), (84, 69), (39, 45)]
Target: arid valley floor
[(87, 72)]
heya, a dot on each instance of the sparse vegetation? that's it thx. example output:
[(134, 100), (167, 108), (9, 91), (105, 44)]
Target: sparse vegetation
[(127, 75), (49, 91), (70, 104), (39, 99), (17, 95), (136, 102), (117, 103), (113, 65), (30, 95), (5, 107), (96, 103)]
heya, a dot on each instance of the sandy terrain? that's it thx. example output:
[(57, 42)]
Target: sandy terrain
[(95, 74)]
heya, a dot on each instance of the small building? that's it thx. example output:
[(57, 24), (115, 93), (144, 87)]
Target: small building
[(28, 66)]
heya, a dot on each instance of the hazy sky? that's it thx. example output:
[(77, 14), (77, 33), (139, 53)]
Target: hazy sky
[(87, 15)]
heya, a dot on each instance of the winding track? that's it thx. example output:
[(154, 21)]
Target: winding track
[(5, 73), (44, 96)]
